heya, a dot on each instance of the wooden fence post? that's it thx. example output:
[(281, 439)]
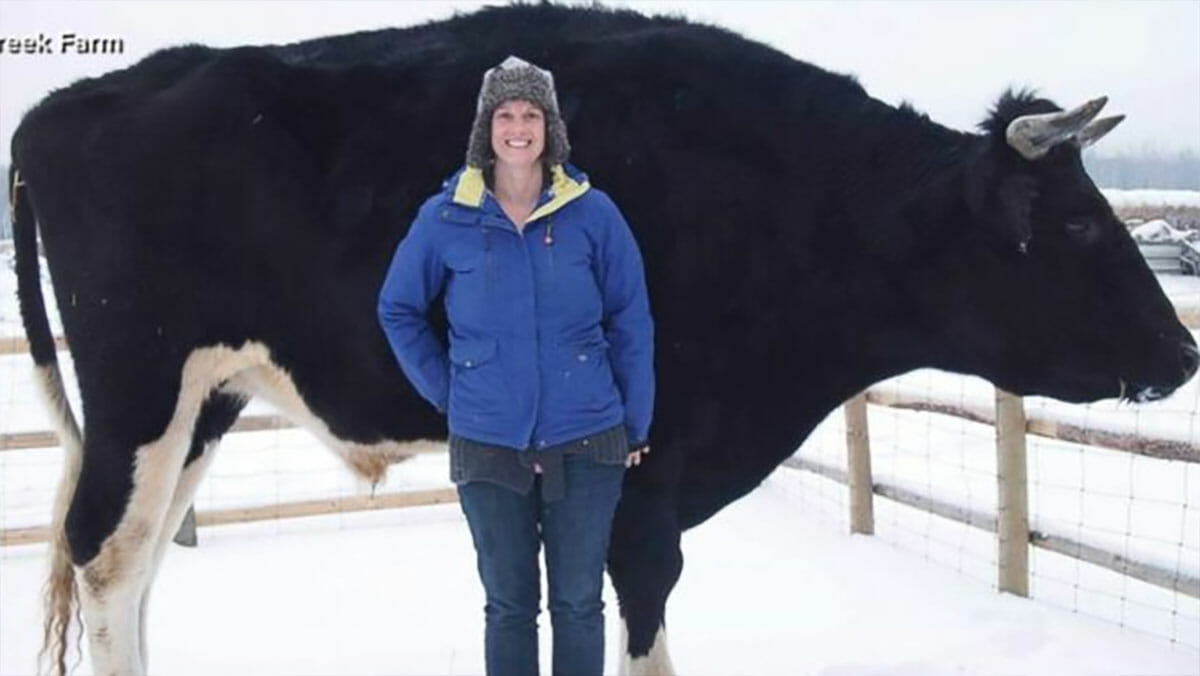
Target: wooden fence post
[(1012, 519), (858, 467)]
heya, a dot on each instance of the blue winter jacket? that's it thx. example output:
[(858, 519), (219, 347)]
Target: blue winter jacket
[(550, 331)]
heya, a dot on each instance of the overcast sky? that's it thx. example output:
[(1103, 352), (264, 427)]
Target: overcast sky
[(950, 59)]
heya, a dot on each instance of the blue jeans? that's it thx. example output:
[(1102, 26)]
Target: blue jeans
[(508, 528)]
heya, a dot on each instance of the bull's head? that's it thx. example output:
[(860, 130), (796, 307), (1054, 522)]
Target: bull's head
[(1055, 297)]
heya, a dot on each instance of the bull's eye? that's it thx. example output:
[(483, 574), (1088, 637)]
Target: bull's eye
[(1081, 229)]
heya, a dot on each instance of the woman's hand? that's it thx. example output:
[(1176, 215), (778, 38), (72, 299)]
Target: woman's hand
[(635, 454)]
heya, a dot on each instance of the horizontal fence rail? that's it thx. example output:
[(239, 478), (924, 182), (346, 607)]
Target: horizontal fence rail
[(1163, 449), (17, 345), (17, 441), (284, 510)]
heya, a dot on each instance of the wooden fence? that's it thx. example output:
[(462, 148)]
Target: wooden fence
[(1011, 522), (284, 510)]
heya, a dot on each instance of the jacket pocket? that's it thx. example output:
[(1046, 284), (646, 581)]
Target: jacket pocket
[(477, 385), (585, 376), (472, 353), (463, 263)]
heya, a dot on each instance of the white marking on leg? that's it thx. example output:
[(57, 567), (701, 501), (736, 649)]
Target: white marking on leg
[(111, 618), (655, 663), (185, 492)]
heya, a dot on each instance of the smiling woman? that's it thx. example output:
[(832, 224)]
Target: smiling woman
[(518, 140), (547, 382)]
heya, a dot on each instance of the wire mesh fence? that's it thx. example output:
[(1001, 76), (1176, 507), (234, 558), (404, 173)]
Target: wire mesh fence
[(1140, 515)]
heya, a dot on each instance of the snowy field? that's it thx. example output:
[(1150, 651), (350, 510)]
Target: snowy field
[(772, 585)]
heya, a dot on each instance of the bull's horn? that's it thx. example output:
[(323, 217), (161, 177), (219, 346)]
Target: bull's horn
[(1097, 129), (1034, 135)]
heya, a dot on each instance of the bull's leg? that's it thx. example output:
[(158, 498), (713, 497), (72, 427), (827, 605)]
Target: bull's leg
[(645, 562), (185, 491), (216, 417), (118, 515), (115, 521)]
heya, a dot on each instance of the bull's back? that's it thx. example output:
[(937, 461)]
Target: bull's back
[(182, 203)]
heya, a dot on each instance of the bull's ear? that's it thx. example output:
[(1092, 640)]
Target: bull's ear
[(1005, 208)]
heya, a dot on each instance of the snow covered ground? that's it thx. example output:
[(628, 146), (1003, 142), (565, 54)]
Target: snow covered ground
[(770, 587)]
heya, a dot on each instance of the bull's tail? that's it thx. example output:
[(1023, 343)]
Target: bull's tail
[(60, 594)]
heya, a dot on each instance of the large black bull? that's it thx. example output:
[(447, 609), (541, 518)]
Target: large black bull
[(218, 223)]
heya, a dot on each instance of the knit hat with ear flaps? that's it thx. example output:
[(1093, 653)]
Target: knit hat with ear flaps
[(516, 78)]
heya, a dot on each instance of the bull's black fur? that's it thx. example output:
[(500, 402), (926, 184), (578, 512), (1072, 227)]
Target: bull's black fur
[(218, 413), (802, 241)]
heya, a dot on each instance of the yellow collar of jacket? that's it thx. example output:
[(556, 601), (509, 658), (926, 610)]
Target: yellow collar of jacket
[(563, 188)]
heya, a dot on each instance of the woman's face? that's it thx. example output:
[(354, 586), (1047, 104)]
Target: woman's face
[(518, 133)]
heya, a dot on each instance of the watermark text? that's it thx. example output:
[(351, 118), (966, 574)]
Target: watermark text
[(63, 43)]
